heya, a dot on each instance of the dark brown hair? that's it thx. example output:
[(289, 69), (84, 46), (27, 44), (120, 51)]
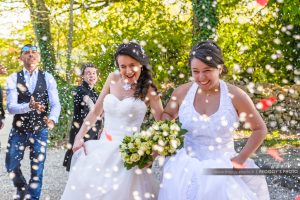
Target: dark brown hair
[(86, 65), (145, 80), (210, 54)]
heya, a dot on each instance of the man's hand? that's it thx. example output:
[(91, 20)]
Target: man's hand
[(36, 105), (49, 122), (2, 69)]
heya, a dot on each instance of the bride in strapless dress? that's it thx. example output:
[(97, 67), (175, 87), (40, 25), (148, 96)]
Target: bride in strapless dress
[(97, 170)]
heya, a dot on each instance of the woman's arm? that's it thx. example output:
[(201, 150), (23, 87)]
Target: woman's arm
[(155, 104), (172, 107), (93, 114), (248, 113)]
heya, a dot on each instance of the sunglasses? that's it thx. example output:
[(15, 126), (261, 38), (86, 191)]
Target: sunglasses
[(27, 48)]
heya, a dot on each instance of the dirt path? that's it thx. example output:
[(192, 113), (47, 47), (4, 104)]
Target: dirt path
[(55, 178)]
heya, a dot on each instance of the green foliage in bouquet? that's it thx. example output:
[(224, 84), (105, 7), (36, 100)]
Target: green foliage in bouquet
[(162, 138), (167, 137), (136, 150)]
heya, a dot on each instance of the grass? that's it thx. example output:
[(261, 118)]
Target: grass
[(273, 139)]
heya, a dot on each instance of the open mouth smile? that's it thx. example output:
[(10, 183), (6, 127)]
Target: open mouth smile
[(131, 76), (204, 83)]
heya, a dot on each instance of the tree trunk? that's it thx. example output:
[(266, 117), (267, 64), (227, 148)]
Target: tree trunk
[(41, 24), (204, 20), (70, 36)]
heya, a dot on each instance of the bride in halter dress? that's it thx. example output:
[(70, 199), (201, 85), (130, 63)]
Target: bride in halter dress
[(210, 109)]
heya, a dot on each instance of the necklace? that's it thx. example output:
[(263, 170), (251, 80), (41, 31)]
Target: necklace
[(126, 86), (206, 98), (209, 94)]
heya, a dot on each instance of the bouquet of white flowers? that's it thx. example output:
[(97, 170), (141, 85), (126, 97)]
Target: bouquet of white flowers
[(167, 137), (136, 150), (164, 138)]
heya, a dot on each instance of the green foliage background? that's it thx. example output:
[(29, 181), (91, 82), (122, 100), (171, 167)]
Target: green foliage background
[(260, 44), (164, 30)]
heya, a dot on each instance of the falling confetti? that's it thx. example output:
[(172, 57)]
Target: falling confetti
[(262, 2), (76, 124), (274, 153), (265, 104), (21, 87), (69, 146), (108, 136)]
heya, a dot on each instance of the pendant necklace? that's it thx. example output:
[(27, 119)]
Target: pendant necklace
[(126, 86), (206, 99), (208, 94)]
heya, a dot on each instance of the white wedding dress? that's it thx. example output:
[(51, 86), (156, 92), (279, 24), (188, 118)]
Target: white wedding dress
[(101, 174), (208, 144)]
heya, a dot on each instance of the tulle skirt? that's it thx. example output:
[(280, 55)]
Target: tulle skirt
[(100, 175), (184, 178)]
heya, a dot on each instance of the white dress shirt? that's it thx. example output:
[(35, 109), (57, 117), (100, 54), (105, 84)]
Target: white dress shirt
[(12, 94)]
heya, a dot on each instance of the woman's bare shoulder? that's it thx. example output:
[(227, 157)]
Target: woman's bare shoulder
[(180, 92), (235, 91), (240, 98), (182, 89), (112, 78), (115, 76)]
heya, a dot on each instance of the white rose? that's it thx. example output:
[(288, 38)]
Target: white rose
[(155, 127), (174, 144), (130, 145), (165, 133), (135, 157), (140, 152), (161, 142)]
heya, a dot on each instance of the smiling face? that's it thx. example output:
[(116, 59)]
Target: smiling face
[(90, 76), (130, 69), (31, 59), (205, 76)]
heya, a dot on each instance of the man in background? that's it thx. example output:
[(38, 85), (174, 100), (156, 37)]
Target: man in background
[(84, 99), (29, 94)]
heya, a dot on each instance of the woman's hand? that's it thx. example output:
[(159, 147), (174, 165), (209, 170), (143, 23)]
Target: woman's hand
[(154, 155), (238, 162), (78, 143), (149, 164)]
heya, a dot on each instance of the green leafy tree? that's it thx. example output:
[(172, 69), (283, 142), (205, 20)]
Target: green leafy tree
[(41, 24), (205, 19), (260, 44)]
